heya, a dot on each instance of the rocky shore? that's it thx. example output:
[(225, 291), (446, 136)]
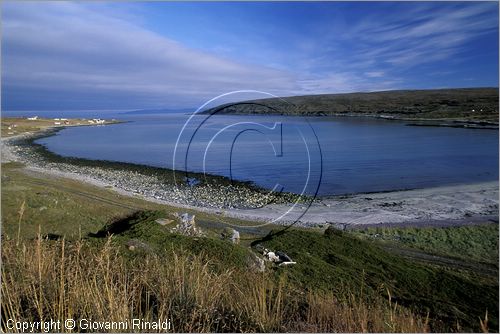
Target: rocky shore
[(455, 205), (153, 183)]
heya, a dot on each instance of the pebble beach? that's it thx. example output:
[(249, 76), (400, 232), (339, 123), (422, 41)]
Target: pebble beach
[(455, 203)]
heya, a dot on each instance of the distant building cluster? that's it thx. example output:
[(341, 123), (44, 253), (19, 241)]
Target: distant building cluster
[(96, 121), (65, 121), (59, 121)]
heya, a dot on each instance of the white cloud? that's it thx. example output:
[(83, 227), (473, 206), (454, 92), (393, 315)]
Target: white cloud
[(73, 51), (424, 34), (378, 51), (374, 74), (66, 47), (345, 82)]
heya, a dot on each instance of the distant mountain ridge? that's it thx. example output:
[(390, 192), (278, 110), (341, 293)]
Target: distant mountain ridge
[(160, 111), (465, 104)]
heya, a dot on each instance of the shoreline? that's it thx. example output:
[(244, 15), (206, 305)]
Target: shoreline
[(211, 191), (475, 108), (431, 122), (455, 205), (42, 127)]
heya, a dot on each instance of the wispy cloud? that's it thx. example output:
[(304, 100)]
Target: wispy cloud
[(65, 47), (375, 74), (423, 33), (405, 37), (91, 55)]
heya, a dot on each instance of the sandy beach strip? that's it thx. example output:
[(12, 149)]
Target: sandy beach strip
[(431, 206)]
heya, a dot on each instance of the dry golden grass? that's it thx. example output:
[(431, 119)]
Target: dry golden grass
[(44, 279)]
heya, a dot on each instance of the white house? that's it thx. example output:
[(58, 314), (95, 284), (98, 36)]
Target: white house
[(34, 118), (57, 123)]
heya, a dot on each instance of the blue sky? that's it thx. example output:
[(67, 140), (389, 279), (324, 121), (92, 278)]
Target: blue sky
[(127, 55)]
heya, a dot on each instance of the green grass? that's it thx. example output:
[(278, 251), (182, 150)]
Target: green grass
[(336, 263), (141, 226), (448, 104), (47, 279), (49, 201), (339, 259), (84, 208), (477, 242)]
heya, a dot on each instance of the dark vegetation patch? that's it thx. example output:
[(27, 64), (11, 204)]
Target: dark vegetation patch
[(336, 260), (142, 226), (478, 242), (470, 104)]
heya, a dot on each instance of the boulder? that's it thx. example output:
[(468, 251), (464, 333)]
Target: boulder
[(335, 229), (255, 263), (134, 244), (188, 219), (235, 237), (230, 234), (187, 226), (163, 221)]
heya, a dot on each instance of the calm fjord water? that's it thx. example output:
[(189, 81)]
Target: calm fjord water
[(358, 154)]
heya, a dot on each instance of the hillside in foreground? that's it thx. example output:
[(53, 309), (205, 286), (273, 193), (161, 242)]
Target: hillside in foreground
[(465, 104), (73, 250)]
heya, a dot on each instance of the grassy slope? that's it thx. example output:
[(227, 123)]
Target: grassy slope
[(48, 202), (329, 261), (86, 208), (416, 104), (20, 125), (141, 226), (336, 262), (99, 281), (339, 263), (477, 243)]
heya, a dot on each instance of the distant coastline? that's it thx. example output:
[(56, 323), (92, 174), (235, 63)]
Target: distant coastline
[(239, 200), (158, 111), (24, 127), (475, 108)]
